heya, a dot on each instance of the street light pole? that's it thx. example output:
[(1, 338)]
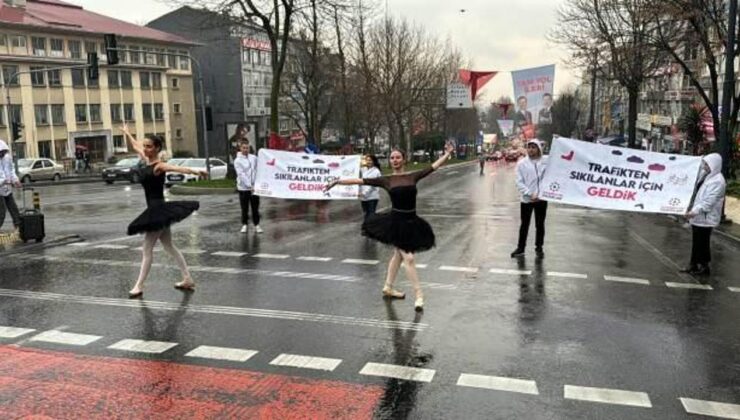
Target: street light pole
[(728, 91)]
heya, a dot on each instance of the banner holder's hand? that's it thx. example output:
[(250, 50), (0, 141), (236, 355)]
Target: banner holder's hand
[(330, 185)]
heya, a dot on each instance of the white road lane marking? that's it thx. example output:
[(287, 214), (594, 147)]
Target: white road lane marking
[(420, 266), (80, 244), (498, 383), (142, 346), (398, 372), (14, 332), (219, 310), (607, 396), (567, 275), (193, 251), (193, 268), (306, 362), (688, 286), (221, 353), (359, 261), (452, 172), (60, 337), (459, 269), (320, 259), (711, 408), (228, 254), (734, 289), (513, 272), (272, 256), (110, 246), (631, 280)]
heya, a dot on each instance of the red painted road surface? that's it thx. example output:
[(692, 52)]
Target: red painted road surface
[(39, 383)]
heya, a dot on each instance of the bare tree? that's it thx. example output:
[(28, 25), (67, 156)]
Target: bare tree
[(613, 37)]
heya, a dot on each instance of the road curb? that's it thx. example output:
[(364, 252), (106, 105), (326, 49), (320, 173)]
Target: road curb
[(65, 182), (62, 240)]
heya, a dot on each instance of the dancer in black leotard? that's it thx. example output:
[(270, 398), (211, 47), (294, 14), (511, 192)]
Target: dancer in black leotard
[(400, 227), (155, 221)]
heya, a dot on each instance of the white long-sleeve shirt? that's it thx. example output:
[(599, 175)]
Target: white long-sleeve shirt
[(711, 195), (246, 171), (529, 174), (7, 172), (370, 192)]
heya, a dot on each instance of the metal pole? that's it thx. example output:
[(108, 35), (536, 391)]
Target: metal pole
[(202, 95), (10, 123)]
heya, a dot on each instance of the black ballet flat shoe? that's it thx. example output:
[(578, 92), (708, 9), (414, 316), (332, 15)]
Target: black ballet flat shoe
[(185, 286), (138, 294)]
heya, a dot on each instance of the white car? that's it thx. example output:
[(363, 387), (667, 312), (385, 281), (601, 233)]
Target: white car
[(39, 169), (218, 171)]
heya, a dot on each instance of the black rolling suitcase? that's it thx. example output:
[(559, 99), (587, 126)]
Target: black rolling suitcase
[(32, 222)]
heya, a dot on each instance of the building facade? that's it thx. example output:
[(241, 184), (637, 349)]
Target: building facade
[(237, 73), (45, 44)]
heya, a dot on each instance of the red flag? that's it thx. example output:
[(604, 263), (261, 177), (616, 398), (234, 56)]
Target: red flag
[(476, 79)]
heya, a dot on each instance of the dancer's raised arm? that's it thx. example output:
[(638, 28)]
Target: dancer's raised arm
[(137, 145), (443, 159), (346, 181)]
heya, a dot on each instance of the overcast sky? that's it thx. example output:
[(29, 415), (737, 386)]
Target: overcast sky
[(501, 35)]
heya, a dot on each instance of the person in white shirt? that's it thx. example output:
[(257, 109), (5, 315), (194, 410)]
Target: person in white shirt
[(8, 179), (369, 194), (246, 173), (529, 174), (706, 213)]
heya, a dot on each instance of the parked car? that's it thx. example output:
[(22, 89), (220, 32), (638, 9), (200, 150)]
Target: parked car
[(126, 169), (616, 141), (30, 170), (218, 171)]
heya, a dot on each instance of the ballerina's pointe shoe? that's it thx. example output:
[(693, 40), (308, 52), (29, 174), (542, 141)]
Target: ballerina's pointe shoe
[(133, 293), (419, 303), (393, 293), (187, 285)]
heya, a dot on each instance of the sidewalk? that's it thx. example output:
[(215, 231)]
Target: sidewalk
[(10, 243)]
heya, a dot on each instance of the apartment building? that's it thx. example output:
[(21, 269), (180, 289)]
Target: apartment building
[(237, 75), (45, 42)]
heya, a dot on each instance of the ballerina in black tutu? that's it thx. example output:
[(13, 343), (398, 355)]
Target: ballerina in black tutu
[(155, 221), (400, 227)]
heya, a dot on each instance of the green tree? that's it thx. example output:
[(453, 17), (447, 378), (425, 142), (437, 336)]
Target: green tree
[(691, 124)]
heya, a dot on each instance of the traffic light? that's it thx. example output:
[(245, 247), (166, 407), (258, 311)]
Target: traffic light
[(92, 66), (17, 130), (111, 48)]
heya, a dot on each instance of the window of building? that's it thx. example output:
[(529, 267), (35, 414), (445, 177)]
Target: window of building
[(128, 112), (75, 49), (2, 115), (55, 78), (16, 113), (44, 148), (95, 115), (78, 77), (156, 80), (38, 77), (149, 56), (171, 59), (3, 40), (176, 108), (38, 45), (18, 41), (41, 113), (8, 72), (91, 46), (126, 79), (134, 54), (115, 112), (266, 104), (57, 47), (144, 79), (113, 79), (175, 83), (178, 133), (146, 111), (161, 59), (159, 112), (81, 113), (118, 142), (57, 114), (93, 83), (60, 148), (184, 60), (246, 57)]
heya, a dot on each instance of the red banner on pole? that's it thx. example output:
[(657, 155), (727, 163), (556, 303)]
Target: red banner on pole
[(476, 79)]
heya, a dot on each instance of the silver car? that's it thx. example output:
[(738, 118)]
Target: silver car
[(39, 169)]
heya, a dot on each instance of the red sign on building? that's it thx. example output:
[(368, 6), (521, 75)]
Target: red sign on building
[(256, 44)]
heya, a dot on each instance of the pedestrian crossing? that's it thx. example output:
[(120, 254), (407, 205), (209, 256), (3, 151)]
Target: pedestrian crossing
[(318, 259), (23, 336)]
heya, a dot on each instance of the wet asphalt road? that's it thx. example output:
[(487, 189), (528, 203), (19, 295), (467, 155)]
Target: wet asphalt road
[(544, 328)]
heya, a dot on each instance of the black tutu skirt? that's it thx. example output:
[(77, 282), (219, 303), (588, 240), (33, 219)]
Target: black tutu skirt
[(162, 215), (407, 232)]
